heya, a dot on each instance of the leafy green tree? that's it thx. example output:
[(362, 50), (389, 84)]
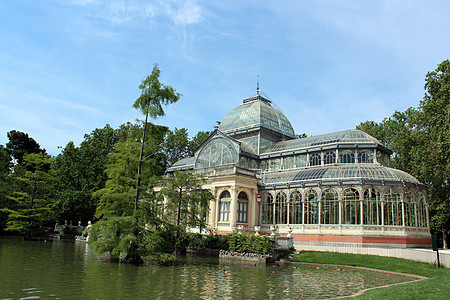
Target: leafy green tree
[(20, 144), (187, 201), (197, 140), (80, 171), (434, 124), (32, 200), (6, 185), (5, 161), (399, 134), (116, 200), (154, 95), (176, 145)]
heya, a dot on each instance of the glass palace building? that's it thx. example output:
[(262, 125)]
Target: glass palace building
[(331, 188)]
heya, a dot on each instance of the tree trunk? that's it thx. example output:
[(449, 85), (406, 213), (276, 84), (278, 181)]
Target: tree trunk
[(445, 240), (141, 155)]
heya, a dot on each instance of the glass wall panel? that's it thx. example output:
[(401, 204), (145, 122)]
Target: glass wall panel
[(295, 208), (301, 161), (372, 207), (329, 157), (224, 206), (267, 209), (242, 210), (346, 156), (243, 162), (280, 208), (330, 207), (421, 211), (311, 207), (409, 206), (288, 162), (315, 159), (365, 157), (392, 208), (350, 207), (275, 164)]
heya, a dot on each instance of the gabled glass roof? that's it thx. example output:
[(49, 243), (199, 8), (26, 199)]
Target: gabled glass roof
[(183, 164), (352, 136), (345, 172), (256, 112)]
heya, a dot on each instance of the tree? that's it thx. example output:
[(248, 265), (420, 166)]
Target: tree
[(20, 144), (120, 220), (434, 124), (176, 145), (154, 95), (32, 200), (80, 171), (197, 140), (398, 133), (187, 202), (6, 184)]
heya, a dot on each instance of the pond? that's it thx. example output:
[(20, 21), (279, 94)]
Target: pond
[(55, 269)]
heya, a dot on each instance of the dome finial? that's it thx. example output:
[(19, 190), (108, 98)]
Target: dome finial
[(257, 86)]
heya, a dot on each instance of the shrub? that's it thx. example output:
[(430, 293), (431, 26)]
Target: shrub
[(250, 243)]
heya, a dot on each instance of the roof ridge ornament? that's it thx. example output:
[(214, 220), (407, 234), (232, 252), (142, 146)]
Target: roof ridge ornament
[(257, 86)]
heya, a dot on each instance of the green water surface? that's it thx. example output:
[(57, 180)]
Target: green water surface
[(55, 269)]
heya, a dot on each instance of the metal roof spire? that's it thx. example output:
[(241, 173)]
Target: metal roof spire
[(257, 86)]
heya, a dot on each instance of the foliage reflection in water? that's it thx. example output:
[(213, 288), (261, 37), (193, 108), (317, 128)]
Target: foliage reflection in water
[(65, 270)]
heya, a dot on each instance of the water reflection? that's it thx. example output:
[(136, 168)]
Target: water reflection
[(65, 270)]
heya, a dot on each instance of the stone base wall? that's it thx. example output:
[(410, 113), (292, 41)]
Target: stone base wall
[(422, 255), (259, 258)]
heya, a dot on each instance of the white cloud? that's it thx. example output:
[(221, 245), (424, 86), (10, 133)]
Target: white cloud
[(187, 13)]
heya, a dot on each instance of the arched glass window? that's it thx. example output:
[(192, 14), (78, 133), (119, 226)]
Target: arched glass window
[(315, 159), (372, 207), (288, 162), (242, 210), (280, 208), (330, 207), (301, 161), (311, 207), (267, 209), (421, 211), (350, 207), (408, 204), (295, 208), (253, 164), (365, 157), (224, 206), (219, 151), (329, 157), (392, 208), (346, 156)]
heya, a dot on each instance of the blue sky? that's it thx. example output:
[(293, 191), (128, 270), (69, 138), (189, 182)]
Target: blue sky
[(70, 66)]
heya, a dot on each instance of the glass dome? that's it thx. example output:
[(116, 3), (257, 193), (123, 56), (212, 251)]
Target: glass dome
[(256, 112)]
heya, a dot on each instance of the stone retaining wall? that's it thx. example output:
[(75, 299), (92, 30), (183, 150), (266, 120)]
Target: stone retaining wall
[(260, 258), (422, 255)]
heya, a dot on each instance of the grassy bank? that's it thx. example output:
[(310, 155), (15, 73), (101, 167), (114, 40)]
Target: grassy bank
[(437, 286)]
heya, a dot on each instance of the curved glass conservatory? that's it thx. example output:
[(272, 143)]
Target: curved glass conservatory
[(331, 188)]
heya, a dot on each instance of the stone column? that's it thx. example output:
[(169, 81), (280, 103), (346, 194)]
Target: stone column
[(233, 207), (212, 214)]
